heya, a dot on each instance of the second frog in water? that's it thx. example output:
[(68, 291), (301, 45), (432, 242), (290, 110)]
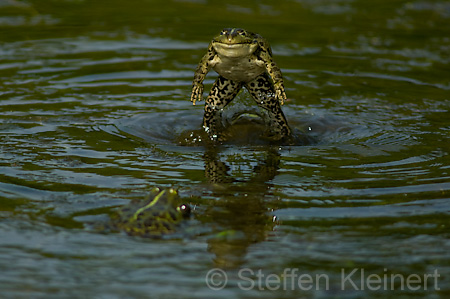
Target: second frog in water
[(241, 58)]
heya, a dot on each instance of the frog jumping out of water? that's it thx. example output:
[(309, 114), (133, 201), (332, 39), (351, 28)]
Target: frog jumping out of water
[(241, 58), (158, 215)]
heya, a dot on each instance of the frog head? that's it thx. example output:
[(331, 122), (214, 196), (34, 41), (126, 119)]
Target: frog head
[(159, 214), (235, 42)]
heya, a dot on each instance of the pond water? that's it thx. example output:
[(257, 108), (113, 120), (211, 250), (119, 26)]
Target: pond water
[(94, 103)]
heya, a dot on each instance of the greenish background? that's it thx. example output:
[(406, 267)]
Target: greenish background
[(94, 105)]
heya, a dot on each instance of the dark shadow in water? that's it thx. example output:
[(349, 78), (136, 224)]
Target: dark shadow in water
[(247, 127)]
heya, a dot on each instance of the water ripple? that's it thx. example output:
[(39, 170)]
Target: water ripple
[(414, 208)]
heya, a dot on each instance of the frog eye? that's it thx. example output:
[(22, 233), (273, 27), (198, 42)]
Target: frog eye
[(185, 210), (225, 31)]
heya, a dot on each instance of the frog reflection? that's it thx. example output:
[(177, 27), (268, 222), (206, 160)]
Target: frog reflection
[(241, 212)]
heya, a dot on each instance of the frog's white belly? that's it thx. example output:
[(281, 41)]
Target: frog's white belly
[(241, 69)]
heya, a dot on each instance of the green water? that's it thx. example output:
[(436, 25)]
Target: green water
[(94, 100)]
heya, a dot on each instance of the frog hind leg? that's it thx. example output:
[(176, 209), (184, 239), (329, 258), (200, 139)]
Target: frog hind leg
[(262, 91), (222, 93)]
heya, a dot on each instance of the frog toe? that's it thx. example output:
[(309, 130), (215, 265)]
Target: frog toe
[(197, 93)]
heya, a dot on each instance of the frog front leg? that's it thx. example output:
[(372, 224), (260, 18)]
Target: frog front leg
[(274, 71), (263, 92), (208, 61), (222, 92)]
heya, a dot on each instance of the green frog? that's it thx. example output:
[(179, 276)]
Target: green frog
[(241, 58), (159, 214)]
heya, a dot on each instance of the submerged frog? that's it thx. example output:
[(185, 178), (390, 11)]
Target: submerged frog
[(241, 58), (158, 215)]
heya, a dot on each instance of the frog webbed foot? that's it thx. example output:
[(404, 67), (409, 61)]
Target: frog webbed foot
[(197, 92)]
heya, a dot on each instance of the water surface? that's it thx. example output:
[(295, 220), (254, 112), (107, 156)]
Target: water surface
[(94, 101)]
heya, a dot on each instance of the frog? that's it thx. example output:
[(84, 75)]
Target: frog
[(159, 214), (241, 59)]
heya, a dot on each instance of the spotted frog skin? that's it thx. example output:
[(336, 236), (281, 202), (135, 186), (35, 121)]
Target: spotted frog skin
[(241, 58), (158, 215)]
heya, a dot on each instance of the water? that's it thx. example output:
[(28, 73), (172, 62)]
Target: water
[(94, 103)]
